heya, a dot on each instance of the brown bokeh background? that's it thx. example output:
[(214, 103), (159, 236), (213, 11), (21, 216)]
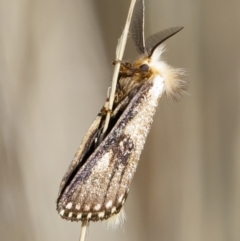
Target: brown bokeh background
[(55, 68)]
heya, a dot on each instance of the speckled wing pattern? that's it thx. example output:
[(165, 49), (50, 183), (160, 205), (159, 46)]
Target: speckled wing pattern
[(98, 188)]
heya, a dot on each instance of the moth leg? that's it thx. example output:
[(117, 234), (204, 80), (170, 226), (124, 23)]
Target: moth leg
[(123, 64), (125, 68)]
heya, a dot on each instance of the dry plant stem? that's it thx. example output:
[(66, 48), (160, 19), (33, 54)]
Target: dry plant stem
[(84, 228), (119, 54)]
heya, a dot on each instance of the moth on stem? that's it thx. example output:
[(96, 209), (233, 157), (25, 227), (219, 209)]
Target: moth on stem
[(96, 184)]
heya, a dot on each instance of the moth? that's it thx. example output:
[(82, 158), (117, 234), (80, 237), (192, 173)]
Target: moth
[(96, 184)]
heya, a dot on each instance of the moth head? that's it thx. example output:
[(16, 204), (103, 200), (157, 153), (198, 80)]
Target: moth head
[(152, 64)]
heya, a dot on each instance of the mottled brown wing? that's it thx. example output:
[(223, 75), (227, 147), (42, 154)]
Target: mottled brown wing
[(82, 150), (126, 90), (100, 187)]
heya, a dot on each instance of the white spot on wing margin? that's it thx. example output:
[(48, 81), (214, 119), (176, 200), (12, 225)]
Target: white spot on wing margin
[(69, 205)]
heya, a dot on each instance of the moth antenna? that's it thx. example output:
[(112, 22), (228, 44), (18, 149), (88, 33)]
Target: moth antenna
[(156, 39), (137, 27)]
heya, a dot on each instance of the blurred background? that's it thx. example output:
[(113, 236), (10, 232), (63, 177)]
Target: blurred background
[(55, 68)]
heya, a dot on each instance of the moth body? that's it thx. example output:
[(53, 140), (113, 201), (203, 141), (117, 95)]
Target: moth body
[(97, 182), (100, 186)]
